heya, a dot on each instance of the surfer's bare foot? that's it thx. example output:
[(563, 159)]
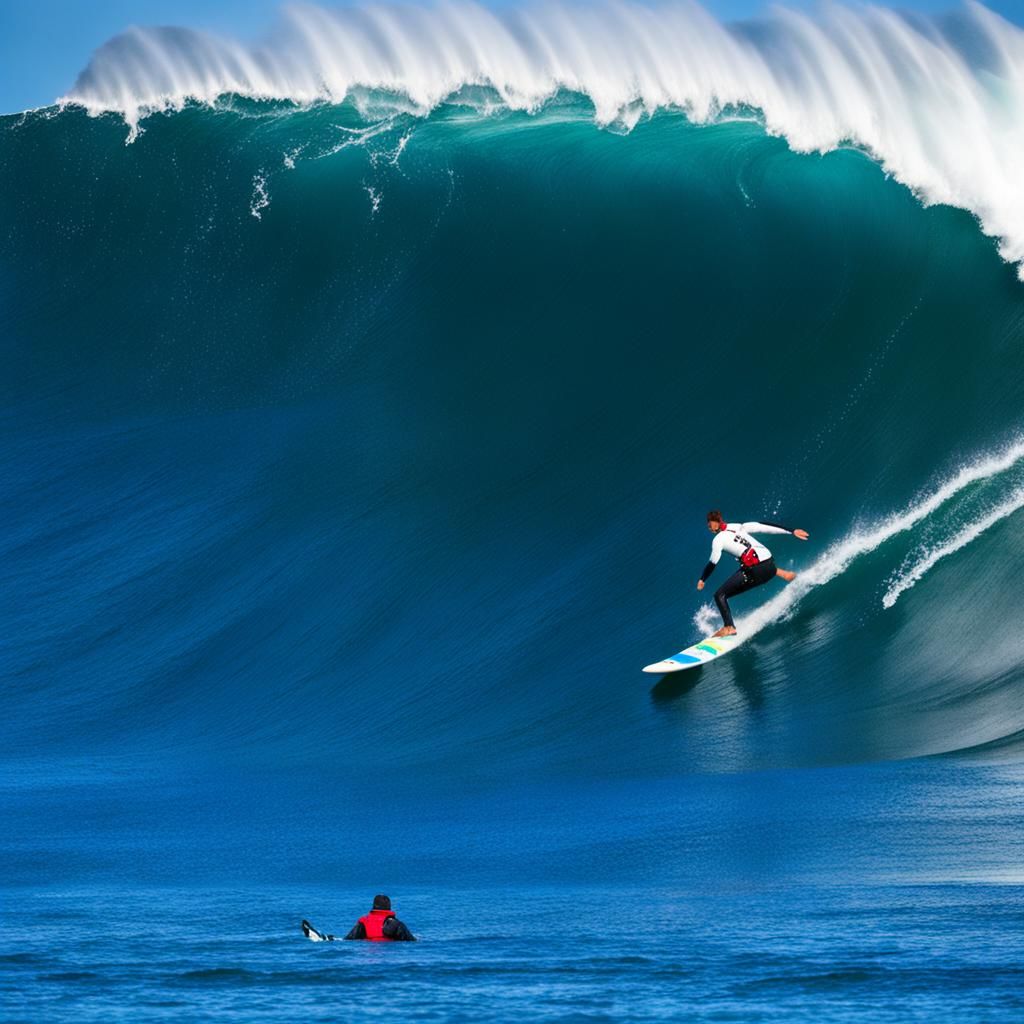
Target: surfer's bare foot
[(726, 631), (786, 575)]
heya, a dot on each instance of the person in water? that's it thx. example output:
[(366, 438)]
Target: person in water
[(379, 925), (756, 563)]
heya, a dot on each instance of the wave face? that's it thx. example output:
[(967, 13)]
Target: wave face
[(342, 426), (938, 102)]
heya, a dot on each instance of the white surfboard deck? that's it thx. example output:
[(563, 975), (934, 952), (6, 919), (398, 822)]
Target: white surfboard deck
[(696, 655)]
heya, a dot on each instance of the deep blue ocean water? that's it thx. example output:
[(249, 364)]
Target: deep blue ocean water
[(856, 954), (353, 466), (880, 893)]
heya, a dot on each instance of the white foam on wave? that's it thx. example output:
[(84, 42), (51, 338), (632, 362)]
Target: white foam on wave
[(939, 102), (971, 532), (838, 558)]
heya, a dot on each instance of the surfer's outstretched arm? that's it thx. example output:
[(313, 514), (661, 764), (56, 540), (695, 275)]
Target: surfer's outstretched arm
[(774, 528)]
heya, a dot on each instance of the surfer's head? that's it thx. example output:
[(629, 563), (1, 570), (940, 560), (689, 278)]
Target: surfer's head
[(381, 903), (715, 521)]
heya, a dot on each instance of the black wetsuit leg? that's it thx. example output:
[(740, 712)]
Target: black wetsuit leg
[(743, 579)]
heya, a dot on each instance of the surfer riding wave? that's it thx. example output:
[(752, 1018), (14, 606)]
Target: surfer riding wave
[(756, 563)]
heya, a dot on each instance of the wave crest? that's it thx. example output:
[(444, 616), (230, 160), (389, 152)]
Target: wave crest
[(938, 102)]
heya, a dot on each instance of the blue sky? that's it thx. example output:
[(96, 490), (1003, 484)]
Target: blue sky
[(45, 43)]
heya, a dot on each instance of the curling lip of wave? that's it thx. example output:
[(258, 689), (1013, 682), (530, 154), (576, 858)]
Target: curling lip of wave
[(838, 558), (939, 104)]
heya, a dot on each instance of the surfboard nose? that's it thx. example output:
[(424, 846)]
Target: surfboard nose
[(661, 667)]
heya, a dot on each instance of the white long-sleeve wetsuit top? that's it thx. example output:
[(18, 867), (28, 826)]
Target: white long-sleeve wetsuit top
[(735, 538)]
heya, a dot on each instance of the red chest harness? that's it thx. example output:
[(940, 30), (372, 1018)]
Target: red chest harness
[(373, 922), (749, 557)]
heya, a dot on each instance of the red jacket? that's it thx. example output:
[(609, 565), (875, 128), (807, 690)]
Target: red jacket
[(373, 922)]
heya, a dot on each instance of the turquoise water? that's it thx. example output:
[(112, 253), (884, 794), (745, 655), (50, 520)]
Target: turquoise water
[(354, 463)]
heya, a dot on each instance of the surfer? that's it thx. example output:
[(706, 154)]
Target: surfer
[(756, 563), (379, 925)]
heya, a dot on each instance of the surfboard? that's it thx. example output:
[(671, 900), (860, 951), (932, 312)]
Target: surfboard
[(313, 935), (695, 655)]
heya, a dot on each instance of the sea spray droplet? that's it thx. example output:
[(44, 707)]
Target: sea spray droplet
[(706, 620), (260, 195)]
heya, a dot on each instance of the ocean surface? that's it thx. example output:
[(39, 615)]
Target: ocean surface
[(358, 420)]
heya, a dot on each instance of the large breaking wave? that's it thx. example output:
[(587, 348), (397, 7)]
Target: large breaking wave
[(373, 419), (938, 101)]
